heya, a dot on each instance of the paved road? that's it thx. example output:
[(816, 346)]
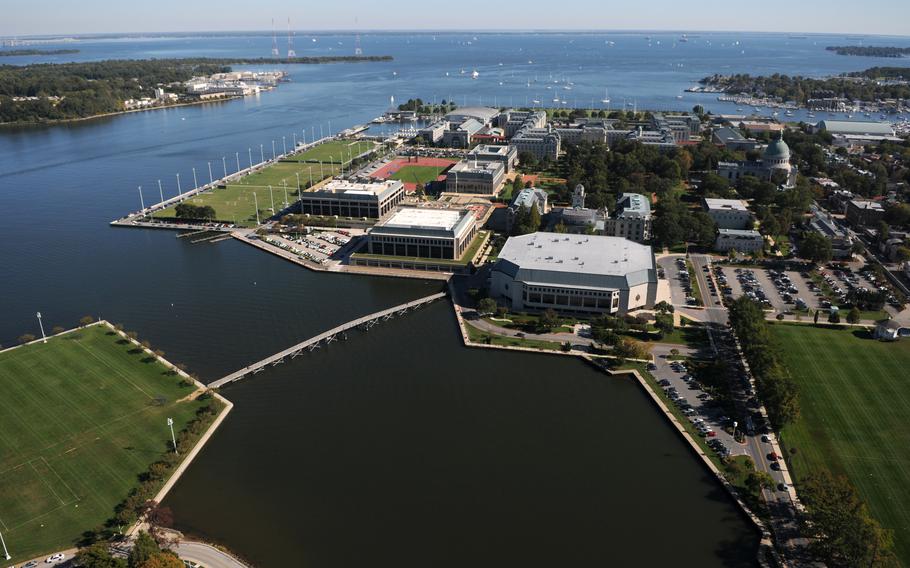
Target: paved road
[(206, 555)]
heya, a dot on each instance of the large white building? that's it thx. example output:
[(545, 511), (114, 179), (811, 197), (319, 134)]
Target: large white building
[(424, 232), (729, 213), (632, 218), (348, 199), (740, 240), (575, 273), (474, 176)]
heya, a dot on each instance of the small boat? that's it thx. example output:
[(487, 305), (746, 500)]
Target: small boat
[(474, 74), (606, 99)]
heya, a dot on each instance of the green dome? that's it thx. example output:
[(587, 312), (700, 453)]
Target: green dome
[(777, 150)]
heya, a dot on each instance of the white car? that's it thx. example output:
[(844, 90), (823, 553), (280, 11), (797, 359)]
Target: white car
[(55, 558)]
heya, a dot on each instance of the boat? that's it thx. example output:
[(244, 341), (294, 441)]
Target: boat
[(474, 74), (606, 99)]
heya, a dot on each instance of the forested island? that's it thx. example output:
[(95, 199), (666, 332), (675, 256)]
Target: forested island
[(21, 52), (860, 86), (869, 51), (46, 92)]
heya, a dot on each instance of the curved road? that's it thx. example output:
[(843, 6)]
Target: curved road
[(206, 555)]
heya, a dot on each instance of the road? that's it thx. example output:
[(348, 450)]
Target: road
[(206, 555)]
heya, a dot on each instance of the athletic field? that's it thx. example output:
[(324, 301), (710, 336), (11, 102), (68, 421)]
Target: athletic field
[(418, 174), (235, 203), (413, 171), (336, 151), (855, 400), (82, 417)]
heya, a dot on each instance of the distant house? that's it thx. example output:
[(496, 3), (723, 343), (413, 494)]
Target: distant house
[(890, 330)]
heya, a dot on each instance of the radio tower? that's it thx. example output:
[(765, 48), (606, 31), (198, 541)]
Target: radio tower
[(291, 53), (274, 40), (357, 49)]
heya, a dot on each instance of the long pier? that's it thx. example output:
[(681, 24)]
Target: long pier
[(326, 337)]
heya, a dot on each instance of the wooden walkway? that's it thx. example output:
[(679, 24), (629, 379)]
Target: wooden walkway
[(365, 322)]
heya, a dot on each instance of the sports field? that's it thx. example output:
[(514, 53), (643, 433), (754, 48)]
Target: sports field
[(235, 203), (82, 417), (418, 174), (335, 151), (855, 416)]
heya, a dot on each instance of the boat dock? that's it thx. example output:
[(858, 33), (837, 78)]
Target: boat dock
[(366, 322)]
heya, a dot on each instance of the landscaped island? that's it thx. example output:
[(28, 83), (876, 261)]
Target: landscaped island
[(46, 92), (22, 52), (85, 441), (869, 51), (872, 85)]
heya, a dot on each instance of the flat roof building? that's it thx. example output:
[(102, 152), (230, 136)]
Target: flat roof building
[(508, 155), (424, 232), (861, 128), (729, 213), (348, 199), (740, 240), (632, 218), (575, 273), (483, 115), (474, 176), (862, 212)]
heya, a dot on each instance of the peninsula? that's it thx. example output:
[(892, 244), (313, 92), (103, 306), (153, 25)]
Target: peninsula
[(869, 50), (22, 52)]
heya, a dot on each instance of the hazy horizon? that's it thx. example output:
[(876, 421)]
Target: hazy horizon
[(60, 18)]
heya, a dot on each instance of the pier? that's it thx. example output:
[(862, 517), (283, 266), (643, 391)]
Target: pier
[(366, 322)]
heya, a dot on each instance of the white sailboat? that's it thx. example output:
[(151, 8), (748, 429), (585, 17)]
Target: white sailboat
[(474, 74), (606, 99)]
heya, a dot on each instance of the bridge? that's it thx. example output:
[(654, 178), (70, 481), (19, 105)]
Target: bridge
[(366, 322)]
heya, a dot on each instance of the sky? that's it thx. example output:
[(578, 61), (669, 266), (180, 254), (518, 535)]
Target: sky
[(58, 17)]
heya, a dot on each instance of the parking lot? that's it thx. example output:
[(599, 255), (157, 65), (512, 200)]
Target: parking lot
[(318, 246), (777, 290), (675, 271)]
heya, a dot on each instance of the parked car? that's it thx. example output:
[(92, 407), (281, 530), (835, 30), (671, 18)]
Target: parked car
[(54, 559)]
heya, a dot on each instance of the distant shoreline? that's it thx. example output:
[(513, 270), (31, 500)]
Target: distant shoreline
[(26, 52)]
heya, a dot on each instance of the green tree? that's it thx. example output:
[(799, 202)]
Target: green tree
[(143, 549), (664, 324), (486, 306), (815, 247), (853, 316), (86, 320), (26, 338), (98, 555), (834, 316), (547, 321)]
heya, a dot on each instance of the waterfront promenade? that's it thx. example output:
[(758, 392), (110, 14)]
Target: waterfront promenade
[(329, 336)]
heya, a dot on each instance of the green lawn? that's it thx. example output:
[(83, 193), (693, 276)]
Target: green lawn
[(235, 203), (335, 151), (82, 418), (479, 336), (418, 174), (855, 417)]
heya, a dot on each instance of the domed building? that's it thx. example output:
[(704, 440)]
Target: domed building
[(776, 158)]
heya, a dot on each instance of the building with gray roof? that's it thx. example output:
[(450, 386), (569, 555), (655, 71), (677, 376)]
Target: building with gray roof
[(508, 155), (856, 127), (348, 199), (632, 218), (575, 273), (474, 176)]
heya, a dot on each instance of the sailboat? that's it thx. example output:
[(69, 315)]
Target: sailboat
[(606, 99), (474, 74)]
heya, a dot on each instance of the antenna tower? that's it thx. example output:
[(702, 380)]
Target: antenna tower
[(291, 52), (274, 40)]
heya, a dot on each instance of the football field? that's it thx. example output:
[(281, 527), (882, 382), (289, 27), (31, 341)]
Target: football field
[(855, 419), (83, 416)]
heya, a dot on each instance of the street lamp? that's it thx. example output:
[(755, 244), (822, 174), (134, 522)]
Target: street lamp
[(272, 199), (224, 165), (261, 154), (250, 150), (170, 423), (43, 337), (5, 551), (195, 181), (298, 181), (179, 191), (141, 201), (735, 424), (284, 146), (160, 191), (273, 149), (256, 206), (211, 178), (237, 157)]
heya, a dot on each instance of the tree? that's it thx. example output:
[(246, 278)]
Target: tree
[(815, 247), (98, 555), (547, 321), (664, 324), (834, 316), (57, 329), (486, 306), (853, 316), (815, 318), (841, 530), (86, 320), (664, 307), (626, 348), (26, 338), (143, 549), (758, 480), (163, 560)]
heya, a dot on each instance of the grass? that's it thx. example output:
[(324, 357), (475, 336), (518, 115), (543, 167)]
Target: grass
[(479, 336), (337, 151), (84, 415), (854, 421), (236, 204), (693, 281), (418, 174)]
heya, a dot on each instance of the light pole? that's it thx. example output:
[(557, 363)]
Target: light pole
[(160, 191), (285, 194), (298, 181), (273, 149), (195, 181), (250, 150), (321, 135), (41, 325), (179, 191), (330, 128), (284, 146), (311, 176), (256, 206), (141, 201), (5, 551), (237, 157), (321, 175), (735, 424), (272, 199), (224, 165), (211, 178), (170, 423), (295, 140), (261, 154), (312, 133), (332, 159)]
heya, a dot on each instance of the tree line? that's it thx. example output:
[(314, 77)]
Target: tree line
[(869, 50), (21, 52), (799, 89)]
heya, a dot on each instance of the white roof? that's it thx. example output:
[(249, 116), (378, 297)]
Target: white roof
[(351, 188), (543, 254), (425, 217), (734, 204)]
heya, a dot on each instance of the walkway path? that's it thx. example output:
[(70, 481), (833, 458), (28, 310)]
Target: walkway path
[(206, 555), (366, 321)]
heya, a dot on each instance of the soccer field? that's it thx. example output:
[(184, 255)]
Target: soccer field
[(335, 151), (82, 418), (855, 417), (418, 174), (235, 203)]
